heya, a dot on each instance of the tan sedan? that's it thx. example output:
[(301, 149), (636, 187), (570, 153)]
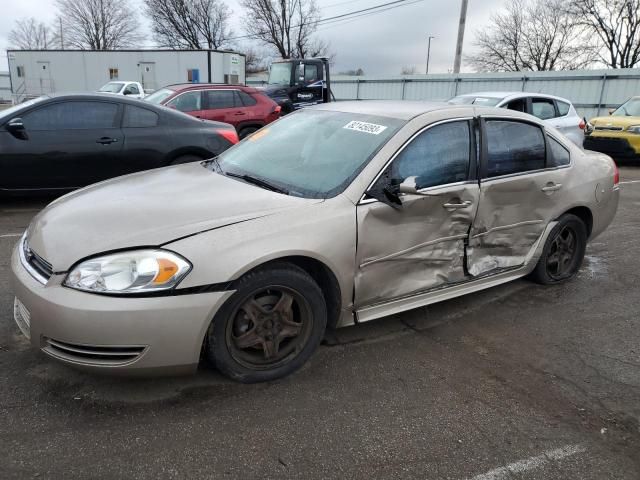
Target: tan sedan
[(332, 216)]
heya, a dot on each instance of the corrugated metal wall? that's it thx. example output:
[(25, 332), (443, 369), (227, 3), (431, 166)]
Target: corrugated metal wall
[(591, 91)]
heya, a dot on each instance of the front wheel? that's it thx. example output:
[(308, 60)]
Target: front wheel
[(563, 251), (270, 326)]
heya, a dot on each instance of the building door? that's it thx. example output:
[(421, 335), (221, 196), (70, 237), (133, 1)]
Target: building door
[(148, 75), (44, 77)]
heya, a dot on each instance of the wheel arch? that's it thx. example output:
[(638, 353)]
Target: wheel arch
[(584, 214), (192, 150), (321, 274)]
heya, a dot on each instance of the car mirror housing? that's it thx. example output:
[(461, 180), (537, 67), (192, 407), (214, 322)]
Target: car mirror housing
[(16, 128), (611, 110)]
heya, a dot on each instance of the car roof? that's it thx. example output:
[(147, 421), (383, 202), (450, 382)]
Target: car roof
[(400, 109), (179, 87), (505, 95)]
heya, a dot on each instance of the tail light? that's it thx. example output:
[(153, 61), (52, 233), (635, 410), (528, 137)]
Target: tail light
[(582, 124), (229, 134), (278, 109), (616, 174)]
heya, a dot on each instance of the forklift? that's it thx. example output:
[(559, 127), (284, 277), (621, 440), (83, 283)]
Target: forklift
[(296, 83)]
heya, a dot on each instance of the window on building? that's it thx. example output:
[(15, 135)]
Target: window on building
[(113, 74), (513, 147), (20, 71), (193, 75)]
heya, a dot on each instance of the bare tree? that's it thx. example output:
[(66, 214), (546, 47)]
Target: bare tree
[(189, 24), (616, 23), (98, 24), (254, 61), (30, 34), (285, 25), (358, 72), (538, 35)]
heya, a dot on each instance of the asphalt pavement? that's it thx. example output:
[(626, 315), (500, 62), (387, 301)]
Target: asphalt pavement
[(520, 381)]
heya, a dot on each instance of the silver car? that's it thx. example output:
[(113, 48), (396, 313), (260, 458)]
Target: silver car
[(332, 216), (555, 111)]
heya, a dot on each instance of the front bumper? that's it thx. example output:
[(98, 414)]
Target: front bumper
[(614, 146), (161, 335)]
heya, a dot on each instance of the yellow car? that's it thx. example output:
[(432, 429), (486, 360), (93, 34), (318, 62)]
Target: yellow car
[(617, 135)]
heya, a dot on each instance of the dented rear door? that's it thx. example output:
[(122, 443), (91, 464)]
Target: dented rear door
[(420, 245), (519, 193)]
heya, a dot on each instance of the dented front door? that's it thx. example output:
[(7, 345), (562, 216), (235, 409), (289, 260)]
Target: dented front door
[(420, 245)]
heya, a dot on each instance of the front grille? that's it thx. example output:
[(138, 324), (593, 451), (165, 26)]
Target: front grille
[(92, 354), (37, 265), (609, 129)]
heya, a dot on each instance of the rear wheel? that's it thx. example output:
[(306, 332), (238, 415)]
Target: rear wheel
[(185, 159), (563, 252), (269, 327), (245, 132)]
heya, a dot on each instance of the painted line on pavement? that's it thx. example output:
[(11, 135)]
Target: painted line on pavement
[(629, 182), (521, 466), (9, 235)]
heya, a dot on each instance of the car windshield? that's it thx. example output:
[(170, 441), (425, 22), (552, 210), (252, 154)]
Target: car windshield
[(311, 153), (159, 95), (8, 113), (112, 87), (280, 74), (631, 108), (475, 100)]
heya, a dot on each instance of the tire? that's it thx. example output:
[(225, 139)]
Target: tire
[(185, 159), (269, 327), (558, 262), (245, 132)]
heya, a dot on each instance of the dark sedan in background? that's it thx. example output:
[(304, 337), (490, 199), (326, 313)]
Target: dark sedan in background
[(62, 142)]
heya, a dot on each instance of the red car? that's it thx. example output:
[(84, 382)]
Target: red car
[(245, 108)]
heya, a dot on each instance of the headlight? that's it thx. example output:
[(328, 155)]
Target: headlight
[(129, 272), (634, 129)]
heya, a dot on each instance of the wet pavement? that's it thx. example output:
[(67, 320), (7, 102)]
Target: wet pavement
[(520, 381)]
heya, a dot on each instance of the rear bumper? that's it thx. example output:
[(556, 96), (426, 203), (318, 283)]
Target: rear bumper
[(159, 335), (615, 147)]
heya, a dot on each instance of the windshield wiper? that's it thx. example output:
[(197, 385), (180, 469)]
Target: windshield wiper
[(258, 182)]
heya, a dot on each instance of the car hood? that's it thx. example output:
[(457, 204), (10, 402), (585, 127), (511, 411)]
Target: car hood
[(148, 209), (615, 121)]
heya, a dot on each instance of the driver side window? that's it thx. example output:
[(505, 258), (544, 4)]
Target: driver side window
[(438, 156)]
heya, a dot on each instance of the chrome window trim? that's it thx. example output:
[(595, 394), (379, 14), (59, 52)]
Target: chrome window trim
[(23, 260), (364, 201)]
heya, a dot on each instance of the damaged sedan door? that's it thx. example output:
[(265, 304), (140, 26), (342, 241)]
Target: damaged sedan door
[(414, 220), (523, 179)]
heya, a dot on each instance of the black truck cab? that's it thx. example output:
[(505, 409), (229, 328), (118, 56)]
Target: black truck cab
[(298, 83)]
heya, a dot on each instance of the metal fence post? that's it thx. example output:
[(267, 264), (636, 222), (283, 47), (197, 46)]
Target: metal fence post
[(524, 82), (455, 83), (604, 84), (404, 82), (357, 89)]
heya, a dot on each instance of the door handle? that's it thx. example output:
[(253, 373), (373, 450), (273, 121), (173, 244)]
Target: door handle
[(240, 113), (551, 187), (464, 204), (106, 140)]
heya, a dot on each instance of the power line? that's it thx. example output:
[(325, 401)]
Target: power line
[(345, 21)]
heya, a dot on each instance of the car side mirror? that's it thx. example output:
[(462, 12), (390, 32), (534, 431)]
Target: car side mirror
[(16, 128), (611, 110), (410, 187)]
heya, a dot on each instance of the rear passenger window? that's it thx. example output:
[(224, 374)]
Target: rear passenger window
[(543, 108), (558, 154), (220, 99), (136, 117), (72, 116), (513, 147), (247, 100), (438, 156), (563, 108)]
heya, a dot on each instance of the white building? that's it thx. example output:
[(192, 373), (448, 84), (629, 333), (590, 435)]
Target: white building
[(5, 87), (37, 72)]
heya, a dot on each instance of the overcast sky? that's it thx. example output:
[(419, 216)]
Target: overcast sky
[(379, 44)]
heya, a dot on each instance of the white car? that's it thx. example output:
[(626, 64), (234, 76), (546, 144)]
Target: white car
[(555, 111), (130, 89)]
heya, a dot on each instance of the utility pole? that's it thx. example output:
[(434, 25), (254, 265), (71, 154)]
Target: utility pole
[(428, 52), (61, 36), (461, 25)]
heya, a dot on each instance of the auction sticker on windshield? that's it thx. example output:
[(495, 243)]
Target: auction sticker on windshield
[(365, 127)]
